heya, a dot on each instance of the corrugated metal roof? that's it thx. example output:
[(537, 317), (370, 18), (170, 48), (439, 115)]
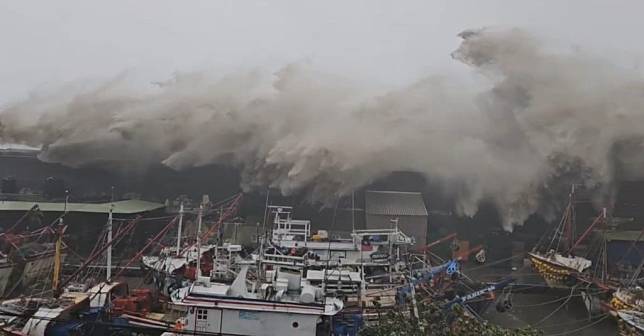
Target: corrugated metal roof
[(120, 207), (395, 203)]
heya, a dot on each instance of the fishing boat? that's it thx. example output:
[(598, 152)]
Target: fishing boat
[(40, 315), (558, 265), (288, 305), (170, 271), (367, 258), (631, 322), (34, 261), (26, 258), (280, 300), (628, 298), (63, 308), (175, 266), (368, 248)]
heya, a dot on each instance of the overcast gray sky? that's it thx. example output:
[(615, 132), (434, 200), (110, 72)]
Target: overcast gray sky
[(390, 42)]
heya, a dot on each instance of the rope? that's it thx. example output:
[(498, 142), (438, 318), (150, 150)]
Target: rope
[(557, 309), (555, 325), (579, 329), (143, 219), (495, 263), (22, 218), (227, 213), (138, 255), (630, 248), (546, 302)]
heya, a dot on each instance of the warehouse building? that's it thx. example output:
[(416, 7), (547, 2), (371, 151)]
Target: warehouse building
[(408, 208)]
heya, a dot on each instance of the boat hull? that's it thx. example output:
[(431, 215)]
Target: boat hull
[(5, 275), (554, 274), (631, 323), (253, 317)]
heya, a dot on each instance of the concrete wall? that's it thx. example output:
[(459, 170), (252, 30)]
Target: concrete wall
[(415, 226)]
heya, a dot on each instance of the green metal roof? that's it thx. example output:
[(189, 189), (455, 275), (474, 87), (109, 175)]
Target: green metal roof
[(395, 203), (120, 207), (624, 235)]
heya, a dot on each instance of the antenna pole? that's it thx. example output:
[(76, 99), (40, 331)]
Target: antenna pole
[(268, 192)]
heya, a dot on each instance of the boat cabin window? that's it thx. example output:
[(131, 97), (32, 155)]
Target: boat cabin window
[(202, 314), (295, 324)]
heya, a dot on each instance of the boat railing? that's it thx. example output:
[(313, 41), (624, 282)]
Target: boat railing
[(394, 235), (291, 229), (285, 260)]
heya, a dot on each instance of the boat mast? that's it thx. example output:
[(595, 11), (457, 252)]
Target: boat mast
[(605, 248), (108, 274), (394, 223), (55, 284), (363, 284), (570, 218), (57, 256), (199, 218), (179, 229), (353, 209)]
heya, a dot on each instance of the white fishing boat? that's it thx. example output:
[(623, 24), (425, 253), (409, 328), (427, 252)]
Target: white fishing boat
[(375, 247), (171, 270), (288, 305), (175, 266), (280, 300)]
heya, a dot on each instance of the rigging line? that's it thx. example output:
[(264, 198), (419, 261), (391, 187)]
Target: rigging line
[(98, 253), (68, 248), (585, 319), (582, 328), (328, 259), (494, 263), (557, 309), (22, 218), (546, 302), (99, 241), (138, 255), (440, 259), (636, 273), (630, 248), (558, 228), (597, 264), (226, 200), (142, 219)]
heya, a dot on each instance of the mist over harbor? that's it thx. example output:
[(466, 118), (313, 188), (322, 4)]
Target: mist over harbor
[(530, 119)]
